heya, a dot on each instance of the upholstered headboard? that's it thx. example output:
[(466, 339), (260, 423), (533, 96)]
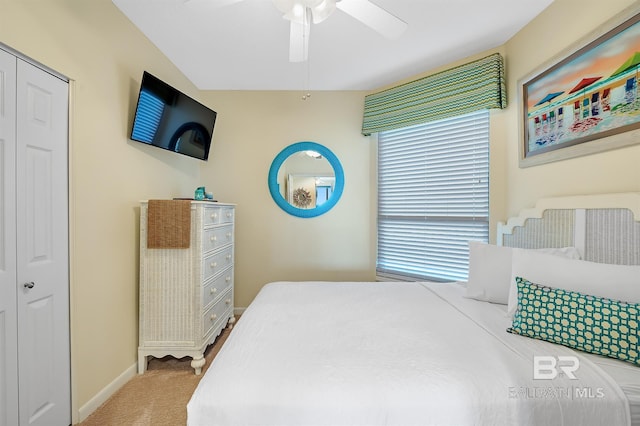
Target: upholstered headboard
[(604, 228)]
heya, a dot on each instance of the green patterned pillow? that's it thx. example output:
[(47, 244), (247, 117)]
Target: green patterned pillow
[(588, 323)]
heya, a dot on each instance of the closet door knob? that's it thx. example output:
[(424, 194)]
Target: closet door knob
[(30, 284)]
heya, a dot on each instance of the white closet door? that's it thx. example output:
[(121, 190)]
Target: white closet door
[(42, 247), (8, 324)]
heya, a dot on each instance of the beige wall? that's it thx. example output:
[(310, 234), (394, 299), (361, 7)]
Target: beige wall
[(271, 245), (104, 55), (560, 26), (563, 24)]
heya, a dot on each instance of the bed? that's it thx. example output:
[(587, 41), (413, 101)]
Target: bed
[(422, 353)]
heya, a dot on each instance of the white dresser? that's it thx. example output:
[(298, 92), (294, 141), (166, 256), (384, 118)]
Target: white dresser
[(186, 294)]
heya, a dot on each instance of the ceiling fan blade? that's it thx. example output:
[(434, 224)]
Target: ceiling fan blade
[(299, 40), (374, 17)]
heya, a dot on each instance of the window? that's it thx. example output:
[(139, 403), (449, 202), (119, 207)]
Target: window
[(322, 194), (433, 197)]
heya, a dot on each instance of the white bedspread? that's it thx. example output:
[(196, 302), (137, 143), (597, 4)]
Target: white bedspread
[(316, 353)]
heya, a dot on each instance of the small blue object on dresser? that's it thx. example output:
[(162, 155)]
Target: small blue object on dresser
[(199, 194)]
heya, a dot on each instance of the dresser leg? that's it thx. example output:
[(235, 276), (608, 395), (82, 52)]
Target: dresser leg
[(232, 321), (197, 364), (142, 363)]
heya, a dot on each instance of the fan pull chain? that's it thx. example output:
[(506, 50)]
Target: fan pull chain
[(305, 35)]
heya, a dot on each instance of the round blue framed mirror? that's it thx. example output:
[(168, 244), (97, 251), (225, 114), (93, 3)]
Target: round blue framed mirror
[(306, 179)]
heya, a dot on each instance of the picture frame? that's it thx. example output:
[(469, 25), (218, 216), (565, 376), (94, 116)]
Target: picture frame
[(585, 100)]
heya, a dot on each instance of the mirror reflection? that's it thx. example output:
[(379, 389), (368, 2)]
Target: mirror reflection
[(306, 179)]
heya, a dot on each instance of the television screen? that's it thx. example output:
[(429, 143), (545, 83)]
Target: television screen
[(169, 119)]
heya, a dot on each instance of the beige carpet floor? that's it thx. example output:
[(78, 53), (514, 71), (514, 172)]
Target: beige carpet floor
[(158, 397)]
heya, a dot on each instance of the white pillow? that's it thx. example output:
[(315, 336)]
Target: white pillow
[(617, 282), (490, 270)]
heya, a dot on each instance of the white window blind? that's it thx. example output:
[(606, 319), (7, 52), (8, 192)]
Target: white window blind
[(433, 197)]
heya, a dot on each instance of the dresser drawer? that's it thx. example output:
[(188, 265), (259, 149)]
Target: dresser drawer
[(212, 215), (216, 215), (217, 286), (226, 215), (217, 262), (217, 237), (217, 312)]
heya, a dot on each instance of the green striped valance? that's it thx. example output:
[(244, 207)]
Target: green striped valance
[(466, 88)]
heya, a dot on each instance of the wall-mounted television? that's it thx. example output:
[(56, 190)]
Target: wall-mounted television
[(169, 119)]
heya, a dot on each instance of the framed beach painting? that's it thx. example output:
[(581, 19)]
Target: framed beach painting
[(587, 99)]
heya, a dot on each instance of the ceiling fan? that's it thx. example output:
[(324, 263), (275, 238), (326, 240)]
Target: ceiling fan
[(301, 13)]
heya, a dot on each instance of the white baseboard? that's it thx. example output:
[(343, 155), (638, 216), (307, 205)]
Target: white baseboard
[(101, 397), (106, 393)]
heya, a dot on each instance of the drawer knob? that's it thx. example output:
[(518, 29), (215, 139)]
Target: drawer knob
[(229, 214), (214, 215), (228, 235), (214, 264), (228, 301), (228, 278), (214, 317), (213, 290), (214, 238)]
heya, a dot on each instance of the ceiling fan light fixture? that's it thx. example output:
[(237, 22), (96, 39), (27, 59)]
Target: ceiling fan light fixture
[(293, 10), (297, 11), (323, 10), (301, 13)]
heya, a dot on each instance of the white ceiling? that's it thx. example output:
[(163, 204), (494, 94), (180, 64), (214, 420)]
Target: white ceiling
[(245, 46)]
